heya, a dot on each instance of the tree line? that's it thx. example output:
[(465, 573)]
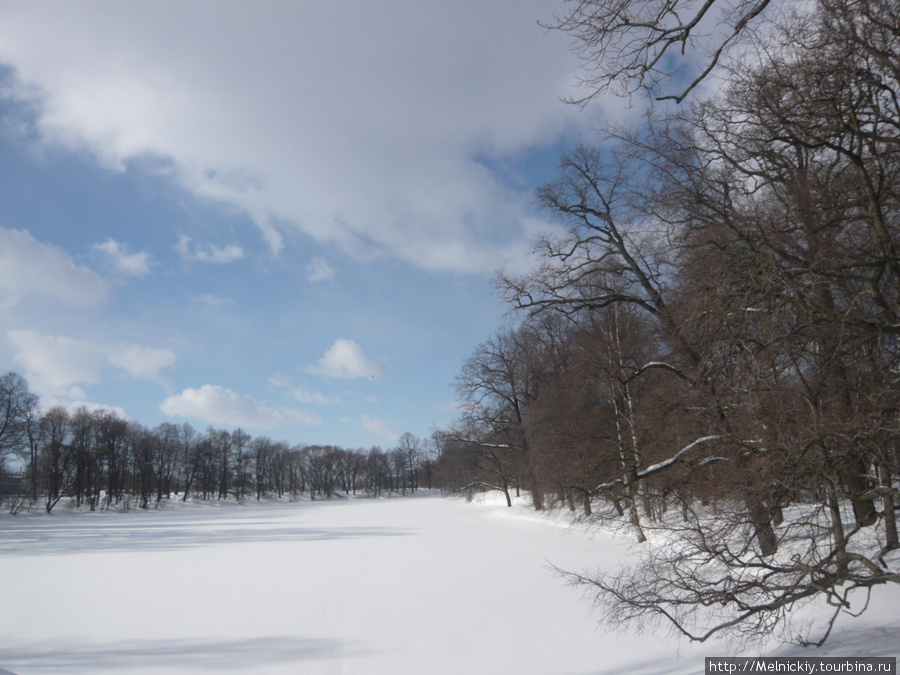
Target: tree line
[(98, 460), (711, 350)]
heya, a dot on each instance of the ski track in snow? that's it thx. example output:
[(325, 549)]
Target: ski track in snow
[(352, 586)]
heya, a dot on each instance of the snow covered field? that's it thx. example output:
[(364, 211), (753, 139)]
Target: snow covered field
[(348, 586)]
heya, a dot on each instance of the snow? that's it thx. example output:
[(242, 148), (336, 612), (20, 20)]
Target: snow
[(427, 584)]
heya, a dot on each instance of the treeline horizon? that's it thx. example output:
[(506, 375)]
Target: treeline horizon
[(98, 460)]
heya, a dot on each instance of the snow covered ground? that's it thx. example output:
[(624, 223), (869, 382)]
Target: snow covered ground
[(348, 586)]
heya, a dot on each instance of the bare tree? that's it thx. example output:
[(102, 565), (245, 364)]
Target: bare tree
[(17, 407), (168, 458), (240, 443), (112, 449), (411, 448), (781, 199), (475, 461), (496, 385), (189, 450), (631, 45), (378, 469), (57, 462)]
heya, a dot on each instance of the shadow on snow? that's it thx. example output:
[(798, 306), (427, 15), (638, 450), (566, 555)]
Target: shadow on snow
[(214, 654), (164, 531)]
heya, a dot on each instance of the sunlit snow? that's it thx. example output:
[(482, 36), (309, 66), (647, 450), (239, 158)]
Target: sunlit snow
[(422, 585)]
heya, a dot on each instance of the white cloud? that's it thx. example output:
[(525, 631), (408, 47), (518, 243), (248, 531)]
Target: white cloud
[(302, 394), (129, 264), (447, 406), (379, 138), (29, 268), (218, 255), (213, 300), (378, 427), (280, 380), (141, 363), (58, 366), (319, 270), (220, 405), (72, 404), (345, 360)]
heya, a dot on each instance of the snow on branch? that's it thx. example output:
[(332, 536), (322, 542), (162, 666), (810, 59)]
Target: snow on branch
[(665, 464), (654, 365), (482, 444), (610, 485)]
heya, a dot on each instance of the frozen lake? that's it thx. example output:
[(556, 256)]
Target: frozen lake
[(348, 586)]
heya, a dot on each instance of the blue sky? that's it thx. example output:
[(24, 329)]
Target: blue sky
[(282, 216)]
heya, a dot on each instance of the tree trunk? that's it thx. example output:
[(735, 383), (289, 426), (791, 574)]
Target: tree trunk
[(777, 515), (854, 478), (890, 521), (887, 503), (635, 517), (837, 531), (537, 498), (762, 525)]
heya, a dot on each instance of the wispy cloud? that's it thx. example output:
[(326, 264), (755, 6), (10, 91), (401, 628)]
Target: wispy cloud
[(379, 427), (210, 253), (319, 270), (213, 300), (345, 360), (449, 407), (221, 405), (142, 363), (129, 264), (56, 365), (301, 394), (29, 268), (59, 366)]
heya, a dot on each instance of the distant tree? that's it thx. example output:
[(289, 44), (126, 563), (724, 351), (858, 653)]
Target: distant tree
[(496, 385), (17, 407), (168, 459), (56, 457), (432, 450), (143, 445), (261, 449), (278, 468), (476, 459), (87, 469), (190, 451), (112, 450), (410, 447), (240, 443), (221, 449), (378, 470), (33, 434), (354, 468), (295, 472), (18, 415)]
